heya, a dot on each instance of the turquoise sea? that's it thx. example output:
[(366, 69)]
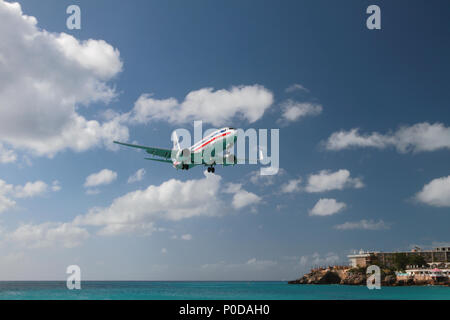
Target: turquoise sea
[(155, 290)]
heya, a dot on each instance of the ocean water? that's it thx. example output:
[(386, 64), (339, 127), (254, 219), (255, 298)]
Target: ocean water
[(156, 290)]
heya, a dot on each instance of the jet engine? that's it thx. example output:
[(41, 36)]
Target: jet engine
[(184, 154)]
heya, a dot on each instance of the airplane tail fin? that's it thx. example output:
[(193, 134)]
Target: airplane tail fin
[(176, 143)]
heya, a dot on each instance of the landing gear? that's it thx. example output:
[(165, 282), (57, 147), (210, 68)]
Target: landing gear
[(211, 169), (184, 166)]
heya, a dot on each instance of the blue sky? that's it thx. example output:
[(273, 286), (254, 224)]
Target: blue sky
[(389, 178)]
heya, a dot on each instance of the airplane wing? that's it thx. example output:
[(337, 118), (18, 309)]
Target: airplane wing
[(159, 152)]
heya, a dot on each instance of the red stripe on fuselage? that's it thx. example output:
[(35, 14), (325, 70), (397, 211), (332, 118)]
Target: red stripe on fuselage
[(226, 133)]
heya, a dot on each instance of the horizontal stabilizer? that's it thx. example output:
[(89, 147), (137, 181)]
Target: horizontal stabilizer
[(160, 160)]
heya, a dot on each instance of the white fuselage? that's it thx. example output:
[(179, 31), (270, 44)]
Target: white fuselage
[(207, 145)]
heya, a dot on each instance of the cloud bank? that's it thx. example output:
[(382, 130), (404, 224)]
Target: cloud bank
[(436, 193), (48, 234), (102, 177), (421, 137), (173, 200), (28, 190), (363, 225), (327, 207), (327, 180), (216, 107), (293, 110), (46, 77), (137, 176)]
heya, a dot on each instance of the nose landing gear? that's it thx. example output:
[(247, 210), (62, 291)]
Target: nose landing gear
[(184, 166), (211, 169)]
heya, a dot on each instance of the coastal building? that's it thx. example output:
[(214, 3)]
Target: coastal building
[(435, 273), (439, 257), (361, 259), (424, 275)]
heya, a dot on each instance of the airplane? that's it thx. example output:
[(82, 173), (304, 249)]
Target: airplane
[(201, 153)]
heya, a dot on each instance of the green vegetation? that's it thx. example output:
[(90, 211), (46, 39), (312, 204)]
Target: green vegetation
[(401, 260), (417, 260)]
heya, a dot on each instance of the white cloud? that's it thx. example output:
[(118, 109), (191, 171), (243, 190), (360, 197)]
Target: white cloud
[(5, 202), (326, 180), (137, 176), (296, 87), (363, 225), (421, 137), (215, 107), (346, 139), (244, 198), (56, 186), (317, 259), (138, 210), (7, 155), (232, 187), (48, 234), (173, 200), (436, 193), (293, 110), (291, 186), (327, 207), (261, 263), (92, 192), (186, 237), (28, 190), (241, 198), (46, 77), (102, 177)]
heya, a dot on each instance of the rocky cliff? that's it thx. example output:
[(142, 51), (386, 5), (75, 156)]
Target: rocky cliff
[(352, 276)]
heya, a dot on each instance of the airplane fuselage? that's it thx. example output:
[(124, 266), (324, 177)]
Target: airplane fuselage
[(209, 147), (210, 151)]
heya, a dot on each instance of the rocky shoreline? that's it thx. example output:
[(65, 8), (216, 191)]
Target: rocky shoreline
[(357, 276)]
